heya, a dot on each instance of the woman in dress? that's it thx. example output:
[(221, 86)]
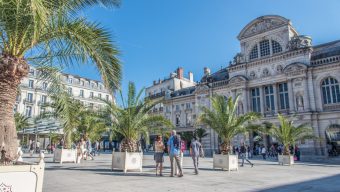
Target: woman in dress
[(159, 152)]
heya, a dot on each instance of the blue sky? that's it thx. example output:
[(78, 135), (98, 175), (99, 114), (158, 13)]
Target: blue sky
[(157, 36)]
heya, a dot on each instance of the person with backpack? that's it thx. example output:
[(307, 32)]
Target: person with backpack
[(195, 152), (174, 148)]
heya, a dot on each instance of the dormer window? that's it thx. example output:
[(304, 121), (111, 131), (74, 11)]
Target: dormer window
[(276, 47), (254, 54), (266, 47)]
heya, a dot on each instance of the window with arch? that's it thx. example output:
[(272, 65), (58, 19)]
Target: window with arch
[(254, 54), (276, 47), (264, 48), (330, 91), (267, 47)]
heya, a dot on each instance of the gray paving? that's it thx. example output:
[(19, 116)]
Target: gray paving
[(265, 176)]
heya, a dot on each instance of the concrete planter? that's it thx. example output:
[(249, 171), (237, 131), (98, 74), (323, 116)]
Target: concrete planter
[(127, 161), (22, 178), (65, 155), (286, 159), (225, 162)]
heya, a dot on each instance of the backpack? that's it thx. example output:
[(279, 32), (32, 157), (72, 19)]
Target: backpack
[(177, 142)]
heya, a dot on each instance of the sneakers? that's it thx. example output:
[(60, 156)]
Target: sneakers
[(252, 165), (180, 175)]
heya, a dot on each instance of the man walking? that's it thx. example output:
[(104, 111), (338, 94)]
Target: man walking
[(243, 154), (195, 150), (174, 147)]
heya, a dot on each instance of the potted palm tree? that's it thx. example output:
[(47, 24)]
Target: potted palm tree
[(288, 134), (131, 120), (40, 33), (224, 119)]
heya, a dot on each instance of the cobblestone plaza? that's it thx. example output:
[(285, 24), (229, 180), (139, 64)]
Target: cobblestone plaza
[(265, 176)]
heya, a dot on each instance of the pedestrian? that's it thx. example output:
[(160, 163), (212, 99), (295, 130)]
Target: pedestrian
[(159, 154), (37, 148), (263, 152), (174, 145), (89, 149), (243, 154), (195, 151), (181, 154), (297, 153)]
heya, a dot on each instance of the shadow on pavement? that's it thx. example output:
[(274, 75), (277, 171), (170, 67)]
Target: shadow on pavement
[(325, 184)]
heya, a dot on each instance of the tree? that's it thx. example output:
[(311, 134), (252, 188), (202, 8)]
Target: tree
[(224, 119), (132, 119), (91, 125), (200, 133), (21, 121), (48, 33), (288, 134)]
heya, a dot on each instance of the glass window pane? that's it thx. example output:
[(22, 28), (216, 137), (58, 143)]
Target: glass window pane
[(264, 48)]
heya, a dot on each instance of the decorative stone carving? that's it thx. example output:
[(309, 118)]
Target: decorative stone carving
[(240, 108), (238, 58), (263, 25), (265, 72), (298, 42), (299, 103), (252, 75), (279, 68)]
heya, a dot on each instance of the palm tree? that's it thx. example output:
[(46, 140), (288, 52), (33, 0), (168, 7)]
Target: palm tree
[(48, 33), (21, 121), (200, 133), (64, 109), (224, 119), (91, 125), (288, 134), (133, 119)]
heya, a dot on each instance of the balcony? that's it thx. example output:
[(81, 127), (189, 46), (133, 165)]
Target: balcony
[(42, 103), (29, 101), (157, 95), (331, 107)]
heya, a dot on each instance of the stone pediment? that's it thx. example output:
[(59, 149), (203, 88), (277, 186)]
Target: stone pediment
[(295, 68), (262, 24), (201, 89), (238, 79)]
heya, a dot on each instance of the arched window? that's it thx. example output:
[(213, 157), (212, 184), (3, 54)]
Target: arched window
[(330, 91), (254, 54), (276, 47), (264, 48)]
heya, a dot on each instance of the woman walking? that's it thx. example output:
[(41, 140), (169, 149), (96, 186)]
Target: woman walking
[(159, 152)]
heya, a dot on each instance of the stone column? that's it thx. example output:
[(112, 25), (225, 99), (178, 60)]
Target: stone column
[(245, 100), (275, 99), (306, 101), (291, 96), (262, 99), (311, 93)]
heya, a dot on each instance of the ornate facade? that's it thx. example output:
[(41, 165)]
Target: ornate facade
[(277, 71)]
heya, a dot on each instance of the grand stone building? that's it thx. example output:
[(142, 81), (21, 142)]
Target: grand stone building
[(33, 95), (277, 71)]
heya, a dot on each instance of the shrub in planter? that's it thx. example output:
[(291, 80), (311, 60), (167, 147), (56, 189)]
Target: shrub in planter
[(130, 121), (287, 134), (223, 119)]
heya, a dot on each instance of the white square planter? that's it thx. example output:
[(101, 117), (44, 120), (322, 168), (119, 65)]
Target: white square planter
[(22, 178), (286, 159), (65, 155), (225, 162), (127, 161)]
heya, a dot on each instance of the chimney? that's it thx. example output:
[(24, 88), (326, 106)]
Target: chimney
[(154, 82), (206, 71), (180, 73), (191, 77)]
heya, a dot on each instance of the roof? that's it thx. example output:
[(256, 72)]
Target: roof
[(219, 75), (326, 50), (184, 91)]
